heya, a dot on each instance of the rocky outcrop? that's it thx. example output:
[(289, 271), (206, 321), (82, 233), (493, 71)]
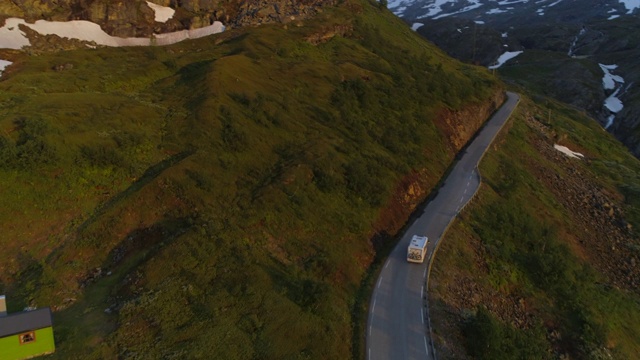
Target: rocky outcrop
[(134, 18), (329, 33), (265, 11), (460, 126)]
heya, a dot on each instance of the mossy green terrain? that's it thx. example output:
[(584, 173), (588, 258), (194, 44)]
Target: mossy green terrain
[(542, 263), (216, 198)]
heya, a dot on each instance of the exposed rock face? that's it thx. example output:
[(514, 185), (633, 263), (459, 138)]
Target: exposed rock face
[(134, 18), (460, 126)]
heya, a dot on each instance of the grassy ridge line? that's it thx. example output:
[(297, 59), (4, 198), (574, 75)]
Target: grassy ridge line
[(255, 244)]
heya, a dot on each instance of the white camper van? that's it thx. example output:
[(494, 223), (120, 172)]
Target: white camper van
[(417, 250)]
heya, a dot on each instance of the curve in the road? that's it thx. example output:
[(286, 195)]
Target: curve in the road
[(398, 325)]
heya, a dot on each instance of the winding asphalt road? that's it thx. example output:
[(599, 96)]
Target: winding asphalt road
[(398, 325)]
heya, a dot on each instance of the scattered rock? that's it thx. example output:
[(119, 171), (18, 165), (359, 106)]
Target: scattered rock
[(62, 67)]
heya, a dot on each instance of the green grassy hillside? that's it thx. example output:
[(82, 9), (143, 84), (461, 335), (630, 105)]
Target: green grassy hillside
[(543, 264), (216, 198)]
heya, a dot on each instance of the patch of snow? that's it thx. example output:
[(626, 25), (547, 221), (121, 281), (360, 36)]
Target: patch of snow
[(502, 3), (3, 65), (609, 121), (504, 35), (554, 4), (479, 22), (613, 17), (416, 26), (84, 30), (474, 5), (12, 38), (504, 58), (174, 37), (565, 150), (162, 13), (459, 30), (630, 5), (575, 41), (394, 4), (609, 80), (434, 9), (613, 103), (495, 11)]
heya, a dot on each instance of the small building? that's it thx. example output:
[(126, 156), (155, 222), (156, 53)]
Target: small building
[(26, 334)]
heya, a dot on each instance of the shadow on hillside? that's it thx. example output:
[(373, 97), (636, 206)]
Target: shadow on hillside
[(148, 176), (109, 287)]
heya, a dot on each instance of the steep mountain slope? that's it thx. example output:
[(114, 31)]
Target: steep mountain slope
[(223, 197), (544, 263)]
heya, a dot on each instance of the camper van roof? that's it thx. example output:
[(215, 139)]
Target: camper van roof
[(418, 241)]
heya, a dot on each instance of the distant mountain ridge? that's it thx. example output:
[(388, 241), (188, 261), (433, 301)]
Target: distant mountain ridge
[(505, 12), (562, 49)]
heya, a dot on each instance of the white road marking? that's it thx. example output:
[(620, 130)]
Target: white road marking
[(369, 353), (370, 332), (425, 273), (374, 305), (422, 292), (426, 348), (379, 282), (422, 313), (387, 264)]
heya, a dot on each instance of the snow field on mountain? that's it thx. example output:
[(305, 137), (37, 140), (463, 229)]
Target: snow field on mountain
[(630, 5), (611, 82), (11, 37), (504, 58), (474, 5)]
